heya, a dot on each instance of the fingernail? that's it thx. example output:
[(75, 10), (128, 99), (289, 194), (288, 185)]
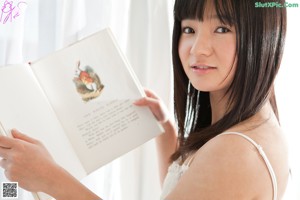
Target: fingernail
[(137, 101), (14, 131)]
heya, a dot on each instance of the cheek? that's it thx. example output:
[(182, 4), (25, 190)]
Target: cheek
[(231, 55), (181, 51), (226, 51), (226, 54), (184, 48)]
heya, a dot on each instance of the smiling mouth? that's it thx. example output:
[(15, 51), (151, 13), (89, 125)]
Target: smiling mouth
[(203, 67)]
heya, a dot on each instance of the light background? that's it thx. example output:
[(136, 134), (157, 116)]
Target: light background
[(143, 30), (288, 95)]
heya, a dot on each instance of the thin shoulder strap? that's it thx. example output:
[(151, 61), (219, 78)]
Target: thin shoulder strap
[(191, 159), (265, 158)]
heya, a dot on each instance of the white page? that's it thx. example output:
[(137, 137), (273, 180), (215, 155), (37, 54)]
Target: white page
[(24, 106), (97, 132)]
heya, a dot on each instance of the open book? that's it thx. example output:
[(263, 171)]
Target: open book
[(78, 102)]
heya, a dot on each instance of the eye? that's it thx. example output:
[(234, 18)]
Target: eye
[(222, 30), (187, 30)]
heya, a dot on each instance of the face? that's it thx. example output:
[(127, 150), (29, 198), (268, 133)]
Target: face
[(207, 50)]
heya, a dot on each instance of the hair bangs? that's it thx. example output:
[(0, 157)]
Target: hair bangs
[(189, 9), (225, 12), (195, 9)]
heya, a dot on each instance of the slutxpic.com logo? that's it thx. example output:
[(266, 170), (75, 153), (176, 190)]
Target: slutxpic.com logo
[(276, 5)]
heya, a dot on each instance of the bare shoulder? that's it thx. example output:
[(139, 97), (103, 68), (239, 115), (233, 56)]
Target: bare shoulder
[(230, 167)]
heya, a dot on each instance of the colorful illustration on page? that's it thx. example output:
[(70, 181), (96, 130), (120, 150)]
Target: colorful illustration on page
[(87, 82)]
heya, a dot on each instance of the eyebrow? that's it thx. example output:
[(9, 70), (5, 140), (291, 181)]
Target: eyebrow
[(222, 18)]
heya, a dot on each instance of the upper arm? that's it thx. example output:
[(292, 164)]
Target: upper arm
[(227, 167)]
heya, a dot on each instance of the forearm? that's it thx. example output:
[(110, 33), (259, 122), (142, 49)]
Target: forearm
[(29, 163), (65, 187), (166, 145)]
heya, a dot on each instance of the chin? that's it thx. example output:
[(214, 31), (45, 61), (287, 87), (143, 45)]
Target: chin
[(209, 86), (202, 87)]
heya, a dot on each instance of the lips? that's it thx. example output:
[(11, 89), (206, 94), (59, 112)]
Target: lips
[(202, 69)]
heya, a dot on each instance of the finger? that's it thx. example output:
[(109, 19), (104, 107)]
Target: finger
[(157, 108), (150, 93), (146, 101), (18, 135), (6, 142)]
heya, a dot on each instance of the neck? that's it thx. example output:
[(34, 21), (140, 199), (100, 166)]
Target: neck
[(218, 104), (265, 114)]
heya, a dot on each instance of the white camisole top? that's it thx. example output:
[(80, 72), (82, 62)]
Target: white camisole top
[(176, 170)]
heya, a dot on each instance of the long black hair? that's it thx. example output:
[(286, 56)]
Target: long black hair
[(260, 35)]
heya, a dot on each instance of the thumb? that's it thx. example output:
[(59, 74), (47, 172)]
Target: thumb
[(18, 135)]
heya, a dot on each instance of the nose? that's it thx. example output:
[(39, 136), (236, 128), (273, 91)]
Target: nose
[(202, 44)]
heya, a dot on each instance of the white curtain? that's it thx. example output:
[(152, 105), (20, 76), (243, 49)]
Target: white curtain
[(288, 97), (142, 29)]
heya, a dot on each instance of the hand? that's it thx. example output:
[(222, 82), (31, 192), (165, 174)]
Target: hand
[(167, 142), (155, 104), (26, 161)]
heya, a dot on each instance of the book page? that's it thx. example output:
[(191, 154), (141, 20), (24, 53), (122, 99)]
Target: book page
[(23, 106), (91, 90)]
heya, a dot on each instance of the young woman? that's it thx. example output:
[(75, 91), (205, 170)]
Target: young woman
[(229, 145)]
